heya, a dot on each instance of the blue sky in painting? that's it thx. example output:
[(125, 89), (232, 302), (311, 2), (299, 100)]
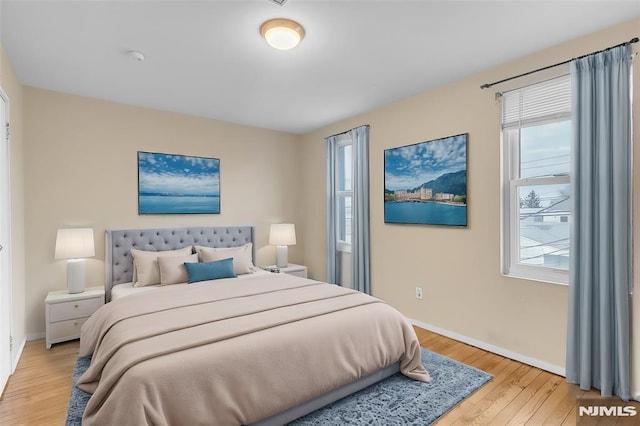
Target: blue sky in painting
[(178, 174), (410, 166)]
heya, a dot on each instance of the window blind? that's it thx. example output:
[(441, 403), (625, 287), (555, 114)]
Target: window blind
[(537, 102)]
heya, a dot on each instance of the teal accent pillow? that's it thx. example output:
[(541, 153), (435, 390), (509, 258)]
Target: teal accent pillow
[(210, 270)]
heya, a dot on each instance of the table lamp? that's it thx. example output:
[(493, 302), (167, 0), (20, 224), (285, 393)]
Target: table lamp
[(282, 235), (74, 245)]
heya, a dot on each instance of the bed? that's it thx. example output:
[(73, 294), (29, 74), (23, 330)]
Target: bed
[(261, 349)]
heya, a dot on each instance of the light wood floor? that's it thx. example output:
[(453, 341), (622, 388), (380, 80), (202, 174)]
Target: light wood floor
[(38, 392)]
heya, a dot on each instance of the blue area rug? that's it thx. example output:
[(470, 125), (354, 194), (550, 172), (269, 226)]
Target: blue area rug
[(397, 400)]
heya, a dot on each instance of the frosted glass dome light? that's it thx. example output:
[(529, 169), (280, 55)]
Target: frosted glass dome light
[(281, 33)]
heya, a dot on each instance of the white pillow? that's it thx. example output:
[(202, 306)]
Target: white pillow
[(172, 269), (146, 264), (242, 263)]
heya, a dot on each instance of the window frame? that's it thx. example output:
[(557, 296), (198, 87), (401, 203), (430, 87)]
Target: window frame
[(511, 183), (344, 140)]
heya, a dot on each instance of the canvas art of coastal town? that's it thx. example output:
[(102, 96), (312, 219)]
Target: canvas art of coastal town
[(426, 183)]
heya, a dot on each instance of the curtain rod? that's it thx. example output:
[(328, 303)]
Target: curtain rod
[(339, 134), (487, 85), (346, 131)]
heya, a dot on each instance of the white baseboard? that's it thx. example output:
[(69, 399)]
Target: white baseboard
[(17, 356), (555, 369), (29, 337), (36, 336)]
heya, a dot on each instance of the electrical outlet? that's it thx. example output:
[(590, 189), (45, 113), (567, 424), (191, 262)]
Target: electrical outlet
[(419, 293)]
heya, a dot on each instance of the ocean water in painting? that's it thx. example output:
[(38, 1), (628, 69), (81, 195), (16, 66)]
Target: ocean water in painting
[(425, 213), (166, 204)]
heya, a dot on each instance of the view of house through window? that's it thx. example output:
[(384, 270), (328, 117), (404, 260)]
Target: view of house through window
[(544, 208), (536, 186)]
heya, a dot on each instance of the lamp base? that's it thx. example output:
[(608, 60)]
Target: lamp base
[(75, 275), (282, 256)]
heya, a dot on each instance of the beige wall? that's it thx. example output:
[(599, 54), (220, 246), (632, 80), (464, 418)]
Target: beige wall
[(458, 269), (12, 87), (80, 166)]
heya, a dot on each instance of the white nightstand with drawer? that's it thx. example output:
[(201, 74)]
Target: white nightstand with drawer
[(293, 269), (66, 312)]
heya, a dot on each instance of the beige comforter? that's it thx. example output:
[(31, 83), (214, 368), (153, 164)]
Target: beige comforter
[(232, 352)]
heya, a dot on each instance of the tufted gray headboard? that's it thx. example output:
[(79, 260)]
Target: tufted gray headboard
[(118, 245)]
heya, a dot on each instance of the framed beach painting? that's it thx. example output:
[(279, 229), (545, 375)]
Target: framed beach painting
[(177, 184), (426, 183)]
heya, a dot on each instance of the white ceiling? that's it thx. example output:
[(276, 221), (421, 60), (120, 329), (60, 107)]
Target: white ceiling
[(206, 58)]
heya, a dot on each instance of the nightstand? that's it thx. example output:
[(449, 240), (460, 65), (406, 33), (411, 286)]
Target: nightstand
[(293, 269), (65, 312)]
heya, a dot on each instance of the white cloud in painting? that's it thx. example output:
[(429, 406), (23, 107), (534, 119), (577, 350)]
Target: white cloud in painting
[(174, 174), (411, 166)]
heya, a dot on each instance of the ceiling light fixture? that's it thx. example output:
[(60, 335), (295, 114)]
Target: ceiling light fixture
[(281, 33)]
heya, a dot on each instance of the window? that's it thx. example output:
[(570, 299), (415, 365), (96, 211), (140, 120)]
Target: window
[(348, 244), (344, 193), (536, 143)]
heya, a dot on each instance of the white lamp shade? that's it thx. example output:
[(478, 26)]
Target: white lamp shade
[(75, 243), (282, 234)]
